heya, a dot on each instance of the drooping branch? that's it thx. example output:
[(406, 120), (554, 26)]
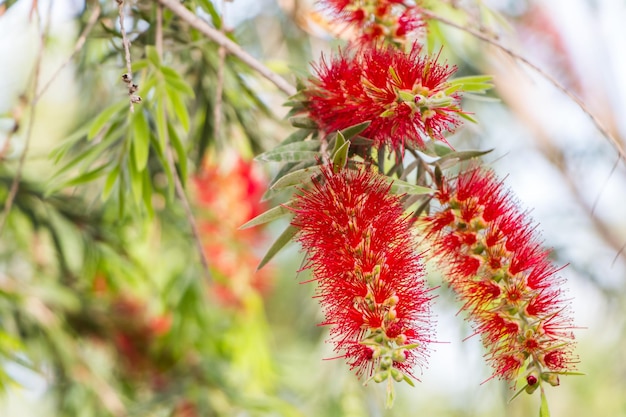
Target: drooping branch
[(218, 37)]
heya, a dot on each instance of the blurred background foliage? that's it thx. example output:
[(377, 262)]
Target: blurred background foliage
[(105, 306)]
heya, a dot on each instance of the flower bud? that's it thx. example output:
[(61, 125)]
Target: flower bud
[(380, 376), (397, 375), (551, 378), (385, 363), (399, 355)]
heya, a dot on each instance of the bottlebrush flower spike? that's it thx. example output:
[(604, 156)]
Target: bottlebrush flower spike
[(370, 280), (403, 95), (496, 265), (391, 21)]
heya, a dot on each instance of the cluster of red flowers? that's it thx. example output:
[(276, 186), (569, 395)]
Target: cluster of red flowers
[(393, 21), (497, 266), (403, 94), (360, 243), (371, 286)]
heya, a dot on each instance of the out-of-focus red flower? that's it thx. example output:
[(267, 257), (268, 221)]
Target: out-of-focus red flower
[(402, 94), (370, 280), (134, 331), (499, 269), (391, 21), (229, 194)]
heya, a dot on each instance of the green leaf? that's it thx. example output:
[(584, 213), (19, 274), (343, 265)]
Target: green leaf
[(341, 156), (297, 136), (442, 150), (161, 121), (518, 393), (291, 156), (141, 140), (139, 64), (85, 177), (472, 83), (303, 122), (282, 240), (461, 155), (110, 182), (158, 147), (105, 117), (153, 56), (90, 155), (403, 187), (292, 152), (147, 193), (543, 409), (179, 148), (408, 380), (178, 105), (340, 140), (176, 81), (468, 117), (269, 216), (299, 177), (135, 178), (68, 143), (350, 132)]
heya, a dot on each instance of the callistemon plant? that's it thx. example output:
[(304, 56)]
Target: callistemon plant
[(360, 214), (406, 96), (362, 251), (494, 261), (392, 21)]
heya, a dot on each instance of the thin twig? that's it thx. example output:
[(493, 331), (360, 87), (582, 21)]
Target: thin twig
[(232, 47), (599, 125), (33, 105), (180, 191), (128, 76), (93, 18)]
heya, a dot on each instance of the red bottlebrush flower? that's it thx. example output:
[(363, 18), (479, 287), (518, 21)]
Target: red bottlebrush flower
[(403, 95), (370, 280), (235, 186), (511, 289), (391, 21)]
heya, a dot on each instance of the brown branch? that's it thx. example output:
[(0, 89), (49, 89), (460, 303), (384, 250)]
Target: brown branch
[(236, 50), (599, 125), (128, 76)]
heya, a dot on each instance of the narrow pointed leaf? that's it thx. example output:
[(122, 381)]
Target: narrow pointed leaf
[(282, 240), (340, 140), (517, 394), (341, 157), (297, 136), (292, 152), (352, 131), (110, 182), (299, 177), (303, 122), (179, 148), (105, 117), (178, 105), (461, 155), (543, 410), (141, 140), (268, 216), (403, 187)]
